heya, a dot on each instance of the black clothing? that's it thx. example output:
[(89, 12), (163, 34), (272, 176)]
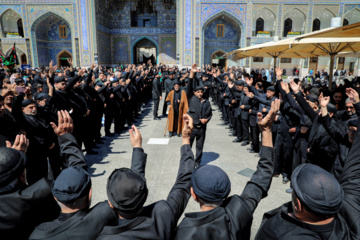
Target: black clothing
[(84, 224), (232, 220), (156, 94), (9, 128), (158, 220), (321, 144), (27, 206), (277, 224)]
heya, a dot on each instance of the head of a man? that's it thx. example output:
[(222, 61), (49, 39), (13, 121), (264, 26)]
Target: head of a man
[(39, 88), (317, 195), (127, 192), (337, 97), (210, 186), (114, 83), (12, 169), (29, 107), (270, 92), (60, 83), (312, 100), (9, 98), (352, 128), (41, 99), (349, 107), (6, 82), (176, 87), (72, 190)]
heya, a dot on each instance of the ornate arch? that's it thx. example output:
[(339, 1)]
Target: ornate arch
[(138, 40), (229, 15), (295, 8), (264, 8), (356, 9), (4, 12), (60, 53), (33, 27)]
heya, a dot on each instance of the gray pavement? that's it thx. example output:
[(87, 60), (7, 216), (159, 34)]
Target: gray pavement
[(162, 162)]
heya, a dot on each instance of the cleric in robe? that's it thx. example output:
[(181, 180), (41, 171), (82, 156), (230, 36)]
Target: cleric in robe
[(178, 103)]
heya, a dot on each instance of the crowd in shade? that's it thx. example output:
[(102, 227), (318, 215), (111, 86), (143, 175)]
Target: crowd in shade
[(301, 130)]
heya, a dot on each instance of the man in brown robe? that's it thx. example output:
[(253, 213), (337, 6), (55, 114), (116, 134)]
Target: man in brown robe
[(178, 105)]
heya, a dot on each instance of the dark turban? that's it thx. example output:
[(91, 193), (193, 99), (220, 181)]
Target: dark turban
[(210, 183), (317, 189), (72, 184)]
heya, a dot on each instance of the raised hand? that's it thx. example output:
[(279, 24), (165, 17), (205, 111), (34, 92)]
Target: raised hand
[(194, 68), (65, 124), (295, 87), (324, 101), (278, 72), (353, 95), (285, 87), (249, 81), (266, 122), (187, 129), (21, 143), (135, 137)]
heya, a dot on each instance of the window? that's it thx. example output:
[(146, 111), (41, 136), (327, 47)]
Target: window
[(62, 31), (258, 59), (287, 26), (220, 30), (341, 59), (313, 60), (285, 60), (345, 22), (259, 25), (316, 25)]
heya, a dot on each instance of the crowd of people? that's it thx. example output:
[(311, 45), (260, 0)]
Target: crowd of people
[(301, 130)]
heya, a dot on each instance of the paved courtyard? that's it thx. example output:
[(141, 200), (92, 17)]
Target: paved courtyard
[(163, 159)]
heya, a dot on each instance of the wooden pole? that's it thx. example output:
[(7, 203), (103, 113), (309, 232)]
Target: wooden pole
[(332, 58)]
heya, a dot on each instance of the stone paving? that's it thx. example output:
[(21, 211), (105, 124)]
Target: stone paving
[(163, 159)]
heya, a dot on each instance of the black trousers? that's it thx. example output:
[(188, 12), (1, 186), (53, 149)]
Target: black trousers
[(245, 127), (156, 107), (165, 106), (284, 154), (255, 144), (109, 117), (199, 134), (238, 127)]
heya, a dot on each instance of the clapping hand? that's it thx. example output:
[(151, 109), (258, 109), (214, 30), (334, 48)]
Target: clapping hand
[(65, 124), (21, 143)]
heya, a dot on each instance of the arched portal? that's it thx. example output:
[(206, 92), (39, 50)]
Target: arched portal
[(295, 21), (144, 50), (23, 59), (11, 24), (218, 59), (62, 58), (222, 33), (51, 34), (353, 16), (316, 25), (264, 20)]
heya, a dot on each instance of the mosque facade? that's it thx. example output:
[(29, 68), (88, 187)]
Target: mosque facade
[(182, 32)]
